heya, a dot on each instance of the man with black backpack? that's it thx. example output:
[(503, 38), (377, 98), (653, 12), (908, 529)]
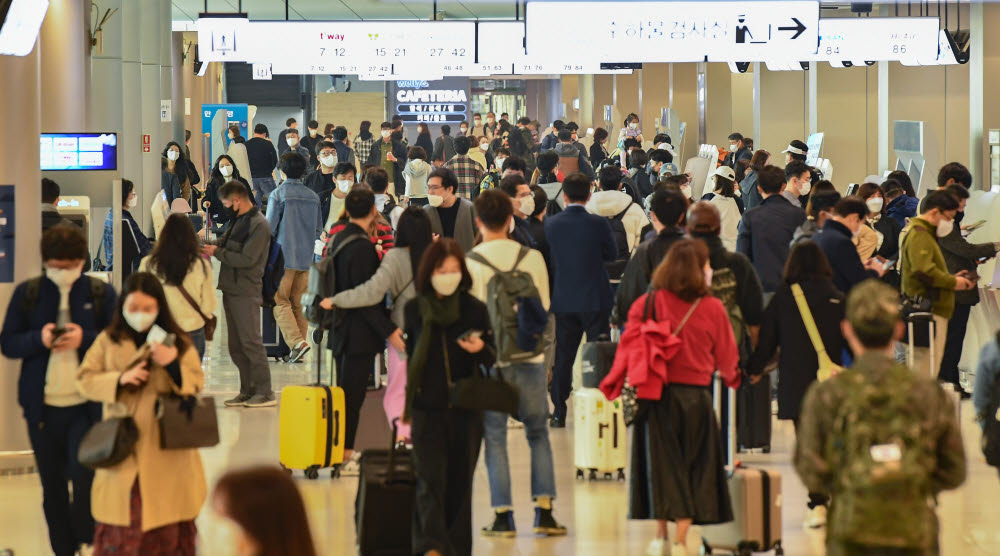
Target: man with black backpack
[(357, 334), (881, 440), (244, 251), (513, 282), (51, 322), (626, 217)]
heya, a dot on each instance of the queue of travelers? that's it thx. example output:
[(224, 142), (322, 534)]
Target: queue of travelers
[(771, 263)]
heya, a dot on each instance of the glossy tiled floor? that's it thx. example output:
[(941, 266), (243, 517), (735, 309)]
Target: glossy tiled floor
[(594, 513)]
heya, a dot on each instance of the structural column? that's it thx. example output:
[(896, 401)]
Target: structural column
[(64, 46), (980, 171), (20, 110), (585, 93)]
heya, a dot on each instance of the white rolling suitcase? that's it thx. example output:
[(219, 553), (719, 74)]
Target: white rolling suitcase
[(598, 435)]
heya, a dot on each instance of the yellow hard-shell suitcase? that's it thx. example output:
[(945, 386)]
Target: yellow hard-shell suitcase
[(311, 426)]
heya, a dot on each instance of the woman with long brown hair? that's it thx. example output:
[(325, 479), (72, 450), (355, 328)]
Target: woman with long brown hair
[(677, 462), (266, 510), (186, 277), (146, 504)]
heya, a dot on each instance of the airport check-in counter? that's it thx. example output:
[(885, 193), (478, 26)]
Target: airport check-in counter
[(984, 319)]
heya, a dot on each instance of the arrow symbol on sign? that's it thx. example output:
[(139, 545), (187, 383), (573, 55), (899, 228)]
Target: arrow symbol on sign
[(799, 28)]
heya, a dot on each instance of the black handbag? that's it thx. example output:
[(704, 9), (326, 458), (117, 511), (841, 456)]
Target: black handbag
[(186, 422), (480, 392), (108, 443)]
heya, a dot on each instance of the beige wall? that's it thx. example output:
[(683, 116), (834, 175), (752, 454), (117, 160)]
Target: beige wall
[(570, 91), (719, 106), (742, 101), (783, 110), (847, 114)]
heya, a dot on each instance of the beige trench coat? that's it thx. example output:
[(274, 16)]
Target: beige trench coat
[(171, 482)]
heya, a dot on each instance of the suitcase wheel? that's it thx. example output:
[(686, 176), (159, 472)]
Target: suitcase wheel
[(766, 449), (579, 474), (593, 475), (607, 476), (285, 469), (312, 473), (621, 474), (335, 472)]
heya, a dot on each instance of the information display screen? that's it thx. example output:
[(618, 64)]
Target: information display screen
[(79, 151)]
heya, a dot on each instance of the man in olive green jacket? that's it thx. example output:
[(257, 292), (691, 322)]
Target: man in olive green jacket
[(925, 272), (881, 440)]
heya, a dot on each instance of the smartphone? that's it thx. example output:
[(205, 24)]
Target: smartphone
[(57, 332), (975, 225), (470, 334)]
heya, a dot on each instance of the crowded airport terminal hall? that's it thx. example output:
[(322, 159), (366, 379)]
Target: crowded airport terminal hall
[(499, 278)]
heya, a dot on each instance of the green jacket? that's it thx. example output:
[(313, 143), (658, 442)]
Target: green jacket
[(888, 506), (923, 268)]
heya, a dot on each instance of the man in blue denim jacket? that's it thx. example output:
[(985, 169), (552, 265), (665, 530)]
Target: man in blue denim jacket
[(294, 214)]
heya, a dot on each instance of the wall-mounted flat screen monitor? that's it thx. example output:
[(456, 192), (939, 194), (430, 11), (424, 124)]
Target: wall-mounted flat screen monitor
[(79, 151)]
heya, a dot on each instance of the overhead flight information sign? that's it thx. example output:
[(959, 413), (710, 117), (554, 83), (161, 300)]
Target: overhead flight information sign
[(878, 39), (501, 51), (336, 46), (674, 31)]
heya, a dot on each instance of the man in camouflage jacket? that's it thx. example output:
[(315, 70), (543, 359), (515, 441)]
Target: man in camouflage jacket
[(881, 440)]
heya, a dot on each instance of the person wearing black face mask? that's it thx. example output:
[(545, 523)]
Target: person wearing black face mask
[(960, 256)]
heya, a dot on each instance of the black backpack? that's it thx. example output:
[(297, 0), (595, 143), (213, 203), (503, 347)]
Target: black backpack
[(322, 284), (617, 268), (32, 292), (552, 207), (390, 205)]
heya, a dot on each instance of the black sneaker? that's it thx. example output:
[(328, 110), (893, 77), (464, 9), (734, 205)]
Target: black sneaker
[(238, 401), (503, 526), (546, 525)]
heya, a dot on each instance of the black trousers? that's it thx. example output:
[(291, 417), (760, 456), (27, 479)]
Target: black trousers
[(570, 328), (56, 442), (445, 450), (353, 373), (953, 344)]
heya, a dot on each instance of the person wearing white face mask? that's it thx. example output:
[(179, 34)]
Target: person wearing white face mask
[(295, 217), (479, 151), (129, 201), (416, 172), (515, 187), (225, 171), (390, 155), (257, 511), (738, 150), (630, 130), (924, 271), (50, 324), (449, 340), (178, 164), (290, 123), (128, 370), (798, 183), (293, 145), (451, 216), (836, 240)]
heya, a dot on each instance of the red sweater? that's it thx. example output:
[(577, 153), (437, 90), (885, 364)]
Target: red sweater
[(383, 242), (706, 345)]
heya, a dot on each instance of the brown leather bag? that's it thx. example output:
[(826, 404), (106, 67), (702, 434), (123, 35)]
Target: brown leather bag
[(210, 321)]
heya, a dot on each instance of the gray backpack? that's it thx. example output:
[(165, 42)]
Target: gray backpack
[(506, 292)]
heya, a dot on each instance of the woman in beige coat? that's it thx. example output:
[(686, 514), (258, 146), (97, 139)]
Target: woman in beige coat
[(146, 505)]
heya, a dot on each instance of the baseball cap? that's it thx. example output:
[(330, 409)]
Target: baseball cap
[(726, 172), (873, 308)]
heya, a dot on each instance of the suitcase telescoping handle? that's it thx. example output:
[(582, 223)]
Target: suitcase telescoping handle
[(320, 354), (730, 423), (389, 475)]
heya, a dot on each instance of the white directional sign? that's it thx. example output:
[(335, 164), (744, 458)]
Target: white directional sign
[(682, 31), (262, 72), (909, 40), (501, 51), (335, 46)]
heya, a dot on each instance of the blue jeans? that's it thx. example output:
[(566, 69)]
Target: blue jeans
[(198, 339), (262, 188), (533, 411)]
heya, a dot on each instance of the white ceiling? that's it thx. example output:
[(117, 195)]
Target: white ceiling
[(188, 10)]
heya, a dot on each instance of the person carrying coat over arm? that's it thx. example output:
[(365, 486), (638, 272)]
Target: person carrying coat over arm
[(448, 339), (677, 471), (146, 504)]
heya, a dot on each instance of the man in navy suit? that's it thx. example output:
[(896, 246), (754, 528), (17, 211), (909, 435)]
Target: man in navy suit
[(580, 243)]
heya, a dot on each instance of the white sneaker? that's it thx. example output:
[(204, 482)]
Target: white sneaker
[(815, 518), (657, 547), (86, 550), (678, 550), (351, 467)]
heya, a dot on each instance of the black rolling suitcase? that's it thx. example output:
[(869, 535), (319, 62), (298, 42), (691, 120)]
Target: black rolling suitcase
[(274, 343), (385, 503), (753, 415)]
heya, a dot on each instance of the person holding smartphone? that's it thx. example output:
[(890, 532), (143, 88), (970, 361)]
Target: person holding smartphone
[(448, 338), (51, 322)]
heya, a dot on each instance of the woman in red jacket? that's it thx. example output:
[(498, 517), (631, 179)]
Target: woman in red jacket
[(677, 461)]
